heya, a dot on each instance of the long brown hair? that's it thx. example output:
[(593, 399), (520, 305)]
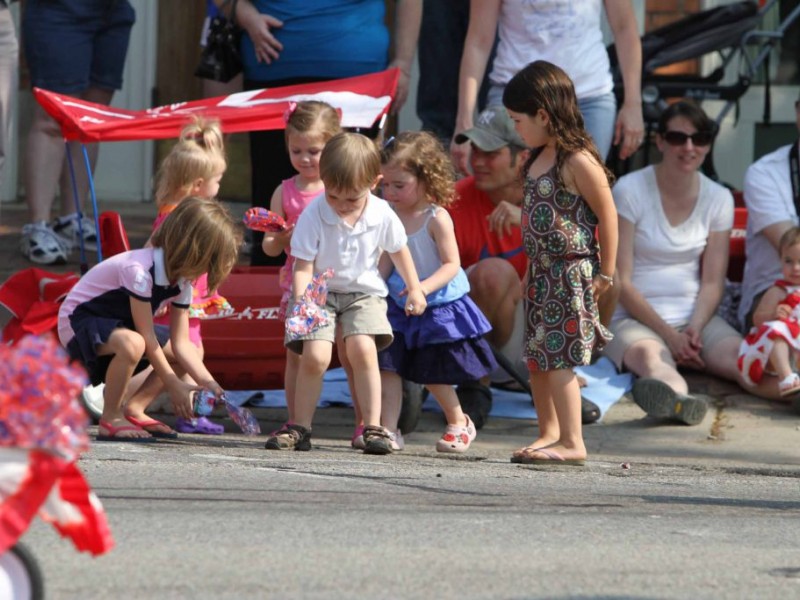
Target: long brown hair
[(199, 236), (543, 85)]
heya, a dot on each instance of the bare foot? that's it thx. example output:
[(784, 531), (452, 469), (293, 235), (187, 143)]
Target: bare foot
[(555, 454), (541, 442)]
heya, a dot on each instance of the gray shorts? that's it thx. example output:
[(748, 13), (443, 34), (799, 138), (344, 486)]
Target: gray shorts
[(355, 314), (629, 331)]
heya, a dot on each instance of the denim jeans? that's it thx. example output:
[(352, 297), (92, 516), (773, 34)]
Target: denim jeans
[(599, 114), (9, 71), (441, 41)]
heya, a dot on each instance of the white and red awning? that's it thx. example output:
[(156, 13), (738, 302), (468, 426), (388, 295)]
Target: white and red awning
[(363, 100)]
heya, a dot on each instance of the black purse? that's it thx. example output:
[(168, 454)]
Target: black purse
[(221, 59)]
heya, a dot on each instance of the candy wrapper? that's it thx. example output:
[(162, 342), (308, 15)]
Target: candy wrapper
[(39, 390), (308, 315), (261, 219), (204, 402)]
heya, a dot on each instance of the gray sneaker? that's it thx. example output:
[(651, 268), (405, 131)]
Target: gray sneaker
[(377, 440), (68, 229), (657, 399), (40, 245)]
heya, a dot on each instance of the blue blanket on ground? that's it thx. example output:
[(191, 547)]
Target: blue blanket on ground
[(604, 386)]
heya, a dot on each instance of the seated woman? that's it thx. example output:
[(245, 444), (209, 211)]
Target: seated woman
[(674, 235)]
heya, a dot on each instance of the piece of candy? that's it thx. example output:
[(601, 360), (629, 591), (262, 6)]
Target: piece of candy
[(261, 219), (309, 314)]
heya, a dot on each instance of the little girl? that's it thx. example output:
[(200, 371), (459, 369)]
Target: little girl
[(444, 346), (309, 126), (193, 168), (106, 320), (567, 197), (774, 340)]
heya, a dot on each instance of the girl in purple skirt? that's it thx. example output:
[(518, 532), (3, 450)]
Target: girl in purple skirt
[(444, 346)]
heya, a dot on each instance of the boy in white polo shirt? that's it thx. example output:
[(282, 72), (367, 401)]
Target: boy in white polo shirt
[(347, 230)]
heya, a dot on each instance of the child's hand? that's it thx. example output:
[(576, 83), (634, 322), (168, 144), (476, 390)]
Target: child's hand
[(416, 303), (180, 393), (600, 286), (213, 387), (783, 311)]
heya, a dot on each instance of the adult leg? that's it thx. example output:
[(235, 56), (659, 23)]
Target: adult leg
[(599, 114), (9, 77), (496, 289), (649, 358)]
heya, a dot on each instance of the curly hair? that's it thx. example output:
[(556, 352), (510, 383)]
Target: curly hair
[(199, 153), (422, 155), (199, 236), (542, 85)]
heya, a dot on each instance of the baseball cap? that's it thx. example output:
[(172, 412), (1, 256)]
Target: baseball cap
[(493, 130)]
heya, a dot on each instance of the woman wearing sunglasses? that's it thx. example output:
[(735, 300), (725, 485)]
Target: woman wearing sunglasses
[(674, 232)]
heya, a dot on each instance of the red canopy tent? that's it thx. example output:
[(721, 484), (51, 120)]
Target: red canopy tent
[(363, 101)]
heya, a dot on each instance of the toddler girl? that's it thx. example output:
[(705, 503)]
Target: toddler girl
[(193, 168), (444, 346), (774, 340), (106, 320), (567, 206)]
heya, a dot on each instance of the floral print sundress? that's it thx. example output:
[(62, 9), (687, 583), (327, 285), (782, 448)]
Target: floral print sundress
[(562, 326)]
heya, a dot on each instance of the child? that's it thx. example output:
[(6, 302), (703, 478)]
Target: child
[(193, 168), (445, 346), (106, 320), (567, 197), (774, 339), (309, 126), (347, 229)]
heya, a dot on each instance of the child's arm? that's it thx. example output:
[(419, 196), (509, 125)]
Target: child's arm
[(186, 353), (301, 277), (415, 302), (179, 392), (767, 309), (275, 243), (590, 180), (441, 228), (385, 266)]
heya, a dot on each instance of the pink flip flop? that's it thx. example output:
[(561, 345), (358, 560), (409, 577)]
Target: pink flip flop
[(553, 458), (112, 436)]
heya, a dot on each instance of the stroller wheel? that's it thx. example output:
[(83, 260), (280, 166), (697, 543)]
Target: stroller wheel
[(20, 577), (413, 397), (476, 401), (92, 400)]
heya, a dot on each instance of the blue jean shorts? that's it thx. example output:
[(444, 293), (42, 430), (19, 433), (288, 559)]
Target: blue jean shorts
[(72, 45)]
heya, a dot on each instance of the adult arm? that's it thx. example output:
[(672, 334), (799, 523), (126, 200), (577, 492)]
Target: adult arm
[(483, 15), (258, 26), (629, 127), (406, 34), (712, 283)]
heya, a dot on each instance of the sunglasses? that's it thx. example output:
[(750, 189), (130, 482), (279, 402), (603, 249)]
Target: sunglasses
[(678, 138)]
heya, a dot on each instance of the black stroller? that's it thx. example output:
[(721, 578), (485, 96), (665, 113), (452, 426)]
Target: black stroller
[(734, 32)]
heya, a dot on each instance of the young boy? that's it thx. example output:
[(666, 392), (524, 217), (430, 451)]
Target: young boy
[(347, 230)]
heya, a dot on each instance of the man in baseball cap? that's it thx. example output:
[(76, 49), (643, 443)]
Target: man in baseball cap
[(493, 131)]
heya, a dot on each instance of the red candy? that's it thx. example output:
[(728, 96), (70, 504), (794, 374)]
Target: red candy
[(261, 219)]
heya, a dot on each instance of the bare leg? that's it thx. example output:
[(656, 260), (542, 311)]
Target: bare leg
[(547, 419), (363, 356), (495, 288), (348, 369), (290, 381), (651, 358), (446, 397), (392, 399), (44, 150), (313, 363), (721, 361), (138, 400), (127, 348)]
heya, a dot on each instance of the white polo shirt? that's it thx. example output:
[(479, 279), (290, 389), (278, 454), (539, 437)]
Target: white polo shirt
[(768, 196), (351, 251)]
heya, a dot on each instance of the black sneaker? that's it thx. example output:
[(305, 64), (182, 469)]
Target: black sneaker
[(290, 437), (657, 399), (377, 440)]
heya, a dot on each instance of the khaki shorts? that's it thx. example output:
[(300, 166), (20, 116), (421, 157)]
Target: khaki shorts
[(629, 331), (354, 314)]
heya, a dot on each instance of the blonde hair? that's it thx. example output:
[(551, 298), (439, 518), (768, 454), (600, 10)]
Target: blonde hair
[(422, 155), (789, 238), (198, 154), (199, 236), (349, 161), (313, 117)]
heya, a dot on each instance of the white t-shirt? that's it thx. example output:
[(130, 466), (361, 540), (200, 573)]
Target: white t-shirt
[(564, 32), (352, 252), (666, 259), (768, 197)]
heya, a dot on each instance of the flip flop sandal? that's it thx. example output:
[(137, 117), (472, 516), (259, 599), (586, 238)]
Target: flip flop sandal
[(111, 436), (553, 458), (154, 428)]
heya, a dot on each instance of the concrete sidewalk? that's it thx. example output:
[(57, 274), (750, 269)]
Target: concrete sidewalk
[(741, 431)]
